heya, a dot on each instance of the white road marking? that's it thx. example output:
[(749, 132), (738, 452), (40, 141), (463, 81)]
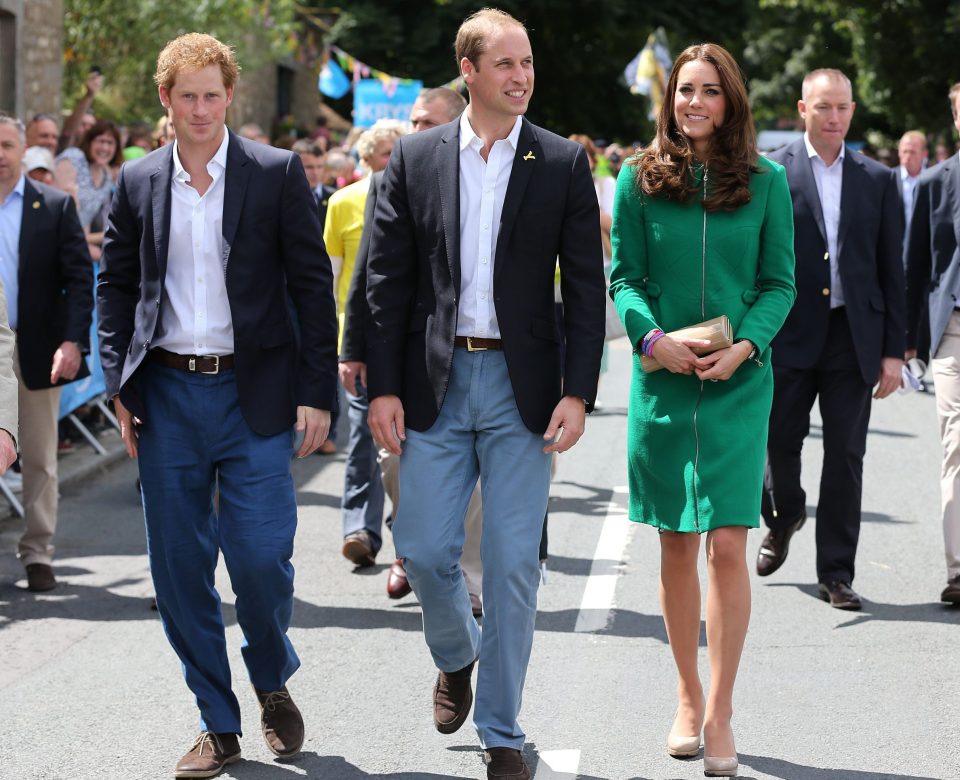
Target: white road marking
[(600, 591), (558, 765)]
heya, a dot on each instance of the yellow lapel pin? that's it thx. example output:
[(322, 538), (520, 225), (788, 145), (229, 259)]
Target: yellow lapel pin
[(36, 204), (529, 156)]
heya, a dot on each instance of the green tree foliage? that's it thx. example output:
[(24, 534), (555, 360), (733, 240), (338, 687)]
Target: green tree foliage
[(123, 38)]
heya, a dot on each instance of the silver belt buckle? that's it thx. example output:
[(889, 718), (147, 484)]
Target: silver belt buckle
[(471, 348), (192, 364)]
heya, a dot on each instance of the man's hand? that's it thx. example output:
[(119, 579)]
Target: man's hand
[(724, 362), (8, 451), (386, 423), (128, 426), (350, 371), (315, 424), (66, 362), (676, 355), (570, 418), (891, 377)]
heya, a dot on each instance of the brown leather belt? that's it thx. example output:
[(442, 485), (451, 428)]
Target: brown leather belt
[(474, 344), (195, 364)]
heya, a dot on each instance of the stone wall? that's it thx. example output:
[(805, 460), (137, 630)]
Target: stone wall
[(32, 42)]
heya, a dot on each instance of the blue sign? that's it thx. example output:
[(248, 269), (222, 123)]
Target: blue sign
[(76, 394), (373, 100)]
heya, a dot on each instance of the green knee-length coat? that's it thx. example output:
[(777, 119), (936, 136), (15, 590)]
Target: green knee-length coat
[(696, 449)]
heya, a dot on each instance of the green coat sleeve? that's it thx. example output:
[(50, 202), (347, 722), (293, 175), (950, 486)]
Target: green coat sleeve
[(775, 282), (628, 273)]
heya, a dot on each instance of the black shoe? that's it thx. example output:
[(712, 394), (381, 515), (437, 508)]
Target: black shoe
[(40, 577), (776, 545), (840, 595), (951, 593)]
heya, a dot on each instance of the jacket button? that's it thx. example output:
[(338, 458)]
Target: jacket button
[(826, 255), (826, 290)]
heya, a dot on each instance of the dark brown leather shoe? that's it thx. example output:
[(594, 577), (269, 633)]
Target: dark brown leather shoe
[(357, 548), (840, 595), (475, 606), (951, 593), (397, 584), (505, 764), (776, 545), (280, 722), (209, 755), (452, 699), (40, 577)]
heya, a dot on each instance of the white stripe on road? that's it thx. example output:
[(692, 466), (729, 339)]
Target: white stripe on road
[(558, 765), (600, 591)]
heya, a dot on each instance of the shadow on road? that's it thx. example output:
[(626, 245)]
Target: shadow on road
[(317, 766), (776, 767)]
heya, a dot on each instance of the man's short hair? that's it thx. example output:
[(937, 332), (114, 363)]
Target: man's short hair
[(953, 95), (43, 116), (913, 135), (383, 130), (474, 33), (306, 146), (453, 102), (195, 51), (335, 160), (831, 73), (9, 119)]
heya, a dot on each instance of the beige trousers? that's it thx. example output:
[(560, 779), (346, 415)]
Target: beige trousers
[(946, 380), (39, 413), (470, 561)]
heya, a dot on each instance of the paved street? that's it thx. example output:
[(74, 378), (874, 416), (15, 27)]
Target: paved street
[(90, 689)]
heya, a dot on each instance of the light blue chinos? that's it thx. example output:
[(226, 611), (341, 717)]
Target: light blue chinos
[(194, 436), (478, 433)]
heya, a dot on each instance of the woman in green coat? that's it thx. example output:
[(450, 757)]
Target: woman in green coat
[(702, 227)]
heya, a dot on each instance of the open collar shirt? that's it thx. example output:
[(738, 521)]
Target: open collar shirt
[(829, 180), (11, 218)]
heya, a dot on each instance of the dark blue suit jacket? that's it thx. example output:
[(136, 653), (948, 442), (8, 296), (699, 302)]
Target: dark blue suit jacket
[(870, 244), (273, 248), (550, 211)]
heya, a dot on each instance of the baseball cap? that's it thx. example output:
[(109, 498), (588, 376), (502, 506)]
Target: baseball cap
[(37, 157)]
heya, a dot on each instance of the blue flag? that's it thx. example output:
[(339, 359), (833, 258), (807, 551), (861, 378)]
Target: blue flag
[(333, 82)]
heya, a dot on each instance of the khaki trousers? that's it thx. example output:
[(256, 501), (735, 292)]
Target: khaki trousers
[(470, 561), (39, 414), (946, 380)]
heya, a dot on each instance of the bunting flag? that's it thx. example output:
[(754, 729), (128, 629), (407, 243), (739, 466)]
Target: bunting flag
[(347, 63), (647, 72), (333, 82)]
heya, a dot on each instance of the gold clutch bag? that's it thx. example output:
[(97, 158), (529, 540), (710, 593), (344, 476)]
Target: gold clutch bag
[(717, 331)]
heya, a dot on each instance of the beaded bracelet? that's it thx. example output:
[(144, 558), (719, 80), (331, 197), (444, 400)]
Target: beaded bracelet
[(646, 347)]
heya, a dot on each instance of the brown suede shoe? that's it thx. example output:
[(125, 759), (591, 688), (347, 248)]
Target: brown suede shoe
[(505, 764), (280, 722), (452, 699), (40, 577), (209, 755), (951, 593), (358, 550)]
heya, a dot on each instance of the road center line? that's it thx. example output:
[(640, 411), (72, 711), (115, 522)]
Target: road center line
[(600, 591), (558, 765)]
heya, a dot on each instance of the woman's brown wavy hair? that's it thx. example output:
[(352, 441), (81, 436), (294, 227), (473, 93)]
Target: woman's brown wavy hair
[(664, 167)]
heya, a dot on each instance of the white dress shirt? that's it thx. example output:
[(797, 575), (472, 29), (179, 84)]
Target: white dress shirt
[(829, 180), (483, 187), (195, 313), (909, 185)]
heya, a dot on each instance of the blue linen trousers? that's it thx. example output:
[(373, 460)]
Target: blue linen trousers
[(478, 434), (361, 506), (194, 438)]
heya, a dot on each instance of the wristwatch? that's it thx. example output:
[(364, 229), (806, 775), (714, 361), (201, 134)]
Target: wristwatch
[(753, 351)]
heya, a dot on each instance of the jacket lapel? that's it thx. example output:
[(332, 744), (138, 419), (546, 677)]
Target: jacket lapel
[(954, 182), (29, 222), (160, 199), (234, 188), (448, 173), (852, 171), (807, 184), (524, 162)]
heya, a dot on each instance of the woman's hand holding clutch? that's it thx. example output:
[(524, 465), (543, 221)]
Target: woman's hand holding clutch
[(724, 362), (676, 354)]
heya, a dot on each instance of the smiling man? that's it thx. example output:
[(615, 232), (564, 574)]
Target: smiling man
[(464, 367), (208, 240), (845, 334)]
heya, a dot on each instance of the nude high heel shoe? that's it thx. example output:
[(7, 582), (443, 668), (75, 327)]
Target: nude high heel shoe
[(720, 767), (682, 747)]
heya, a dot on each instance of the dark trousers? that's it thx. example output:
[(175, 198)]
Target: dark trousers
[(845, 410)]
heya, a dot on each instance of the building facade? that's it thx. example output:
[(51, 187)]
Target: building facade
[(31, 56)]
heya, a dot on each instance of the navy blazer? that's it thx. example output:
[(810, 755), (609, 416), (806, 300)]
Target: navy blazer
[(550, 211), (870, 246), (273, 252), (55, 277), (933, 257)]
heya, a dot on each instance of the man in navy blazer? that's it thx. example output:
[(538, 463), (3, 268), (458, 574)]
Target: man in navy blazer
[(464, 369), (933, 298), (845, 334), (210, 241)]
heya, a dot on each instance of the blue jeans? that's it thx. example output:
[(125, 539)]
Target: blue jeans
[(479, 434), (193, 438), (362, 503)]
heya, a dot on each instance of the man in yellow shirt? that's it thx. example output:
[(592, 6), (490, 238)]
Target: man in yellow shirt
[(363, 497)]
